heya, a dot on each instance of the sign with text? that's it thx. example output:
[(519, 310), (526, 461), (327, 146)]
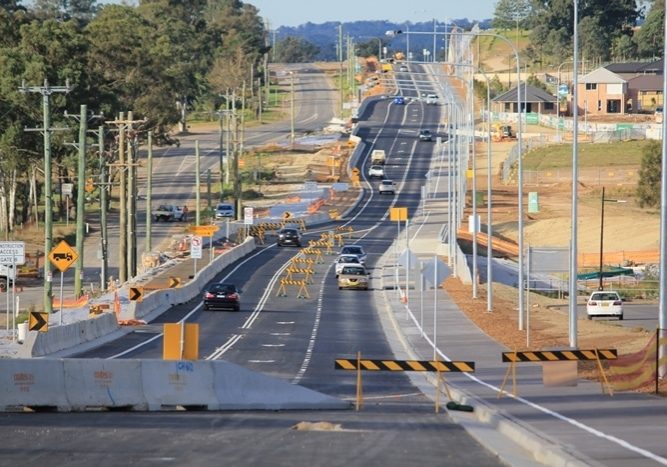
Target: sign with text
[(12, 253), (248, 216), (204, 230), (195, 247)]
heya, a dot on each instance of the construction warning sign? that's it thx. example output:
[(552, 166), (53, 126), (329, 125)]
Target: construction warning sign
[(203, 230), (63, 256), (136, 294), (174, 282), (38, 321)]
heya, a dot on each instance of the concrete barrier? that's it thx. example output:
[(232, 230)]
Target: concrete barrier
[(32, 383), (241, 389), (93, 384), (172, 384)]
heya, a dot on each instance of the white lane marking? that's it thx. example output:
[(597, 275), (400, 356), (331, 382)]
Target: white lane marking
[(224, 347), (285, 322), (273, 345), (261, 361), (280, 334), (313, 334)]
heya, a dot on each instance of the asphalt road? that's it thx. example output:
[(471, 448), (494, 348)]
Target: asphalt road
[(295, 339)]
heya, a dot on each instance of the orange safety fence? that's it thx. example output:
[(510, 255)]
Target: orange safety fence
[(618, 257), (315, 206), (293, 199), (637, 370), (71, 302)]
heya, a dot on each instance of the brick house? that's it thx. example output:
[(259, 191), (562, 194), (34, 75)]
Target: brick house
[(602, 92)]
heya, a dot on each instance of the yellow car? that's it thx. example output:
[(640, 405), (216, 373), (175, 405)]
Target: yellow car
[(353, 276)]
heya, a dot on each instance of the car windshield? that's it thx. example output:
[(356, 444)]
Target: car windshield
[(348, 259), (354, 250), (223, 288), (605, 296), (354, 271), (289, 231), (387, 182), (163, 208), (224, 207)]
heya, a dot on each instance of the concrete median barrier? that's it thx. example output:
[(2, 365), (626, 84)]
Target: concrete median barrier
[(153, 385), (93, 383), (32, 383)]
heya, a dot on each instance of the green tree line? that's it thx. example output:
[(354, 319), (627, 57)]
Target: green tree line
[(152, 58)]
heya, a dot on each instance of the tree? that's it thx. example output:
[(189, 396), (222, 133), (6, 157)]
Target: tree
[(294, 49), (623, 47), (650, 172), (370, 48), (649, 38), (510, 14)]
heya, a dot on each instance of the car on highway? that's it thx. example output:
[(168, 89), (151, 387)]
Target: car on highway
[(223, 210), (353, 276), (356, 250), (387, 186), (376, 171), (289, 236), (604, 303), (425, 135), (400, 100), (432, 99), (403, 68), (344, 260), (223, 295)]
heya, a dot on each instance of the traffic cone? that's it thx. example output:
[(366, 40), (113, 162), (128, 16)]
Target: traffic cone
[(116, 304)]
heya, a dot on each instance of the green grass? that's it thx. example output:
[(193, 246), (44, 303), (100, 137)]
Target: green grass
[(559, 156)]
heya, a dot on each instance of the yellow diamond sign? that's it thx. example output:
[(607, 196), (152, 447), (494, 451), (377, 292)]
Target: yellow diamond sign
[(63, 256)]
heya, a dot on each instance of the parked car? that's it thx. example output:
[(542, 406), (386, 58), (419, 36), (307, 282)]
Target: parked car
[(344, 260), (168, 213), (289, 236), (222, 296), (432, 99), (353, 276), (224, 210), (604, 303), (387, 186), (400, 100), (356, 250), (376, 171), (425, 135)]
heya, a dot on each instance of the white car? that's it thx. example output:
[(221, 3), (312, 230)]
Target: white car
[(344, 260), (387, 186), (376, 171), (432, 99), (604, 303), (356, 250)]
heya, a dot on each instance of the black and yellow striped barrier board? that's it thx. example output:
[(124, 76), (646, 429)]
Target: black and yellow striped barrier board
[(404, 365), (560, 355)]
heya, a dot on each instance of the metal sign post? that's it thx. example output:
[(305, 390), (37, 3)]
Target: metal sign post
[(60, 318), (195, 250)]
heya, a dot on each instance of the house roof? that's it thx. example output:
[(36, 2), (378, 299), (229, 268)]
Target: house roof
[(602, 75), (528, 94), (636, 67), (646, 83)]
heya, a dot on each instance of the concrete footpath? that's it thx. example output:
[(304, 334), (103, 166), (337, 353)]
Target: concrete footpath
[(555, 425)]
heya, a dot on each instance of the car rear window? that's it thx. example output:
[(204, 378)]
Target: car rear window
[(354, 271), (605, 296), (226, 288), (352, 250)]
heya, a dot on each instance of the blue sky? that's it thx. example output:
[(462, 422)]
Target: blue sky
[(295, 12)]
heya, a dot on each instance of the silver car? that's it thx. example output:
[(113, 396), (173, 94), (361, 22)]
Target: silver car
[(387, 186)]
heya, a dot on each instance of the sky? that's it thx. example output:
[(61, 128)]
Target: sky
[(295, 12)]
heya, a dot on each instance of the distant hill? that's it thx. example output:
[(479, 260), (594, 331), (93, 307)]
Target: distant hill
[(325, 35)]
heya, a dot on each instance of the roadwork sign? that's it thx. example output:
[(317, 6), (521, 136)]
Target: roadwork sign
[(136, 294), (195, 247), (12, 253), (38, 321), (174, 282), (204, 230), (63, 256)]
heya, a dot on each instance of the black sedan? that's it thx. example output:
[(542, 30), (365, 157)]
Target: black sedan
[(289, 236), (222, 296)]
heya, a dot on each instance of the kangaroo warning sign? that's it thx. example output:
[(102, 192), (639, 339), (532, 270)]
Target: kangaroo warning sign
[(63, 256)]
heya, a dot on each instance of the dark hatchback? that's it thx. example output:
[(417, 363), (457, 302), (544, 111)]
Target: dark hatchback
[(289, 236), (222, 296)]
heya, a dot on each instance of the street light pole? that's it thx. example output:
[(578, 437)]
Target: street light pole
[(292, 107), (572, 289), (604, 200), (662, 307), (558, 102)]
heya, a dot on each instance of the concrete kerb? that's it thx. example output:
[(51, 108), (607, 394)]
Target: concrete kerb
[(484, 418)]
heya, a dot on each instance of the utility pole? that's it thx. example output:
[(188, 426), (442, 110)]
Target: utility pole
[(197, 186), (149, 193), (46, 130), (127, 241), (131, 204), (340, 63), (103, 210), (80, 200)]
